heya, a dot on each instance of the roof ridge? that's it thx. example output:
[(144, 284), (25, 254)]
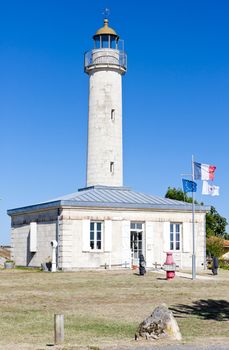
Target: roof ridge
[(103, 187)]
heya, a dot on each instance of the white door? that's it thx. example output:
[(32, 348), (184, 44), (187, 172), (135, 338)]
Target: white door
[(136, 242)]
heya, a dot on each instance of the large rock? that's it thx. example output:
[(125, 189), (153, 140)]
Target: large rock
[(161, 323)]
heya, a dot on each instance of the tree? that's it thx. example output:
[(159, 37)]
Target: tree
[(214, 246), (215, 223), (179, 195)]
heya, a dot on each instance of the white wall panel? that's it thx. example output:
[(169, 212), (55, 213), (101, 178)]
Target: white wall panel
[(166, 237), (86, 235), (33, 237), (107, 235)]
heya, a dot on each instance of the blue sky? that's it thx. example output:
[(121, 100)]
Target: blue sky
[(175, 95)]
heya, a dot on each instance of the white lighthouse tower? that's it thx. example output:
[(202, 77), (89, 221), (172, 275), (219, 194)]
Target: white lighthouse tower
[(105, 65)]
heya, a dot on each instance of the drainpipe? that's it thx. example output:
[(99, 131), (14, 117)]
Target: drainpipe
[(205, 233), (57, 236)]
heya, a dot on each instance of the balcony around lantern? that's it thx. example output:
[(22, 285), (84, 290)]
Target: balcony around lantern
[(102, 58)]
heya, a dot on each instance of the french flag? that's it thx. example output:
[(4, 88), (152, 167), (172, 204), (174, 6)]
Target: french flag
[(204, 171)]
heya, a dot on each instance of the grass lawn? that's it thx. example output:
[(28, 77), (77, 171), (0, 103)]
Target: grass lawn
[(104, 308)]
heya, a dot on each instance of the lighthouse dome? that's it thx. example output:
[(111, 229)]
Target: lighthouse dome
[(106, 30)]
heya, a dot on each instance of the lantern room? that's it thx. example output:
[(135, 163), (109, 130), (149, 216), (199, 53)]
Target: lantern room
[(106, 37)]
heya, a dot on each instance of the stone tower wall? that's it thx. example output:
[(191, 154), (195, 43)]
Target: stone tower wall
[(104, 157)]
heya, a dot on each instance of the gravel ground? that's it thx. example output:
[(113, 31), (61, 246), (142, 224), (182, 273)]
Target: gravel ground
[(173, 347), (180, 347)]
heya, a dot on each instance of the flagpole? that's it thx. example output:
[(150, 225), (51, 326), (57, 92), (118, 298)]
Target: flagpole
[(193, 228)]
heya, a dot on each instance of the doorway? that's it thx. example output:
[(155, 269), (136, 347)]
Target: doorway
[(136, 242)]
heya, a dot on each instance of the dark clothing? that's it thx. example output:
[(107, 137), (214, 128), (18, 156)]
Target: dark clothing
[(142, 265), (215, 262), (215, 265)]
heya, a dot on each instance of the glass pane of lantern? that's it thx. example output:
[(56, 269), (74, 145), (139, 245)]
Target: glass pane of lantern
[(105, 41), (113, 42), (97, 42)]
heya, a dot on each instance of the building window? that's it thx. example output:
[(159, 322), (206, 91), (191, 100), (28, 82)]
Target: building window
[(112, 167), (113, 114), (96, 235), (175, 236)]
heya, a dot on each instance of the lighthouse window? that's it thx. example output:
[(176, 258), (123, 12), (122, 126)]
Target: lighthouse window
[(105, 41), (113, 114), (112, 167)]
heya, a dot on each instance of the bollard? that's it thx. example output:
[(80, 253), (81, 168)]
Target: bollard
[(169, 266), (58, 329)]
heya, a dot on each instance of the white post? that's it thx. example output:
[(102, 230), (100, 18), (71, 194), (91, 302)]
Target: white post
[(193, 228), (109, 260), (58, 329), (54, 246)]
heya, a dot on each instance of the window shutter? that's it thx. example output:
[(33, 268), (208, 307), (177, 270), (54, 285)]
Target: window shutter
[(86, 235), (166, 237), (187, 234), (33, 237), (107, 235)]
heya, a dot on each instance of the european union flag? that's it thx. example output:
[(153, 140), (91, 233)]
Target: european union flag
[(189, 186)]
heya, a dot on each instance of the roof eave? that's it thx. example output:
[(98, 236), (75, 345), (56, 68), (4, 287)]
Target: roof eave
[(35, 207), (105, 205)]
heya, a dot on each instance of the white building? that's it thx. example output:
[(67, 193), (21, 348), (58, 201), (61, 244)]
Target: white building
[(106, 223)]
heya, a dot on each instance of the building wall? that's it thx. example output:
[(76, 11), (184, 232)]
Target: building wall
[(155, 244), (21, 235), (73, 233)]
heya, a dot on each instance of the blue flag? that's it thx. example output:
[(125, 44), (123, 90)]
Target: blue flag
[(189, 186)]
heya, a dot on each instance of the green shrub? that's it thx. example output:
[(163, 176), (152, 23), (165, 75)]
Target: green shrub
[(214, 246), (224, 264)]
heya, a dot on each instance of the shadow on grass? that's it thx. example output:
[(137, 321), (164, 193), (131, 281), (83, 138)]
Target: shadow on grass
[(208, 309)]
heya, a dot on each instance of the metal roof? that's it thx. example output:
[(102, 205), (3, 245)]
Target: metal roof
[(111, 197)]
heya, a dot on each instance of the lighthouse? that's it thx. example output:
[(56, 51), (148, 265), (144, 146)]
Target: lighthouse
[(105, 64), (105, 223)]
